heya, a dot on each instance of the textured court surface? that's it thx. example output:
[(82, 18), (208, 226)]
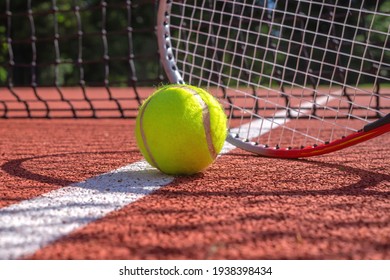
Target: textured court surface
[(244, 206)]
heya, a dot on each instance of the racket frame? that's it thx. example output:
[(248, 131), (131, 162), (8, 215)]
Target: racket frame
[(369, 131)]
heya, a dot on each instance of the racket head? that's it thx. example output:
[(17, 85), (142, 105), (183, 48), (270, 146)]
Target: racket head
[(284, 93)]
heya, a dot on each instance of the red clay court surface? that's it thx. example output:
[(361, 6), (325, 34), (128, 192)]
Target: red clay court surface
[(243, 207)]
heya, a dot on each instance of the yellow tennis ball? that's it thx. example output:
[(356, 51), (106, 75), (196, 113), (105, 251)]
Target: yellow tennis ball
[(180, 129)]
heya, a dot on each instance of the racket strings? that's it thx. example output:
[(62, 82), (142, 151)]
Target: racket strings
[(238, 68), (321, 63)]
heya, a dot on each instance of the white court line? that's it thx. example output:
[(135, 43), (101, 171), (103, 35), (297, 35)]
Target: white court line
[(30, 225)]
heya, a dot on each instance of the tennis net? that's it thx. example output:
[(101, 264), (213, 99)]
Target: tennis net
[(77, 58), (96, 58)]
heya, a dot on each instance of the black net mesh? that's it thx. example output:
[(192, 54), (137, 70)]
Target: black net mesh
[(76, 58)]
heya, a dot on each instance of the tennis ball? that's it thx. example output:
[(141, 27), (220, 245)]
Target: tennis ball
[(180, 129)]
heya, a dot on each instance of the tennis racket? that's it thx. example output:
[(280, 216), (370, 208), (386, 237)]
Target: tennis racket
[(296, 78)]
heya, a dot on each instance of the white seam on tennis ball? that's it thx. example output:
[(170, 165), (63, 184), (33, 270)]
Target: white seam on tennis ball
[(206, 119), (143, 136)]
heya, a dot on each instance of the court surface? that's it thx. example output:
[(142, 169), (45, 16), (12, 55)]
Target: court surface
[(61, 200), (73, 184)]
